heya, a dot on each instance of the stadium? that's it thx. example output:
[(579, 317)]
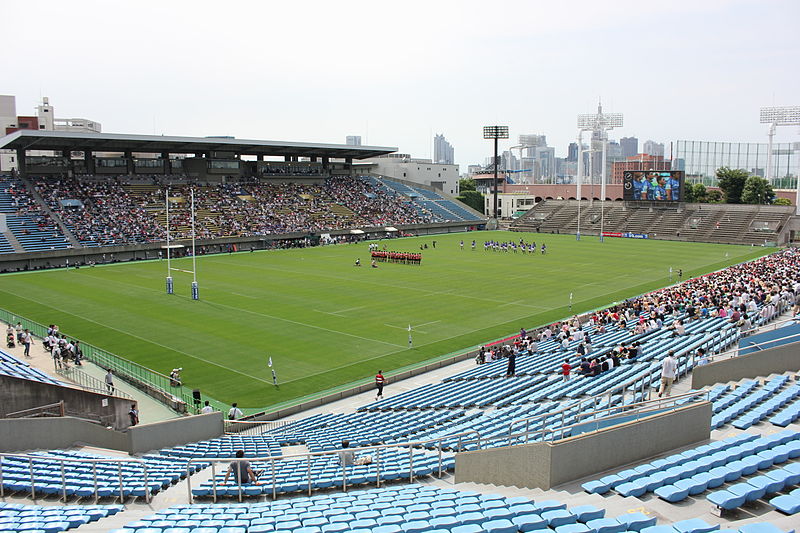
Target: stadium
[(368, 267), (227, 303)]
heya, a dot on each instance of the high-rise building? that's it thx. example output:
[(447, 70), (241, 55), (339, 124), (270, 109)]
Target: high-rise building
[(572, 152), (630, 146), (443, 153), (353, 140), (653, 148)]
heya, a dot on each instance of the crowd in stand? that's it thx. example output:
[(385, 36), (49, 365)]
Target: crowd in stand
[(107, 215), (108, 212), (28, 211), (746, 295)]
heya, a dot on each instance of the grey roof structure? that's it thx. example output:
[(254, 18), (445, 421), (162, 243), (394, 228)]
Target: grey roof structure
[(116, 142)]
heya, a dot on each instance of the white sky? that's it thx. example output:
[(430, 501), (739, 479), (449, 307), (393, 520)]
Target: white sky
[(398, 72)]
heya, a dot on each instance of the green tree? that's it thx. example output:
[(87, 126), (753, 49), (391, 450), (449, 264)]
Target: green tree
[(782, 201), (714, 197), (731, 181), (757, 190), (474, 199), (696, 193), (466, 184)]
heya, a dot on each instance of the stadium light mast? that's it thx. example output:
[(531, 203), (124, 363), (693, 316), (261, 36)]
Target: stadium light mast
[(780, 116), (195, 289), (602, 123), (170, 288), (496, 133)]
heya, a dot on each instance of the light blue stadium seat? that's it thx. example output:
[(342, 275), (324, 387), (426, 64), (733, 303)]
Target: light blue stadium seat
[(559, 517), (763, 527), (467, 528), (672, 493), (585, 513), (606, 525), (499, 526), (659, 529), (726, 500), (694, 525), (636, 521)]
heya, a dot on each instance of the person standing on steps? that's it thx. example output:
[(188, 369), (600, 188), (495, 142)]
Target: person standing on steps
[(380, 381), (110, 381), (669, 369), (234, 412)]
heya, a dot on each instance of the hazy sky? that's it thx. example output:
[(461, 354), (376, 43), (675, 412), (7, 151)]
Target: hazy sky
[(398, 72)]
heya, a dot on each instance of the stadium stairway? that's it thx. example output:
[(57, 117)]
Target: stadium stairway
[(49, 212), (150, 409)]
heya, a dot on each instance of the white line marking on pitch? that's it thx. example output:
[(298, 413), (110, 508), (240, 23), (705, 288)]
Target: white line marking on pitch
[(246, 295)]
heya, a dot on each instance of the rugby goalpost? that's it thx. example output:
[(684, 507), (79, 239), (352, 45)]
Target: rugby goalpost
[(170, 269)]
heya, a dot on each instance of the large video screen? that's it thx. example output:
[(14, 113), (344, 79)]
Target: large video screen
[(653, 185)]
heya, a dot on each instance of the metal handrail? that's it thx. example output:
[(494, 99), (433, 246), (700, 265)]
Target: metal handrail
[(643, 407), (42, 409), (250, 427), (83, 460), (735, 351), (308, 456), (127, 369), (90, 383)]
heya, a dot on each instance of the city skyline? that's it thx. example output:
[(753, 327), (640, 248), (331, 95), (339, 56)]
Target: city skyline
[(230, 72)]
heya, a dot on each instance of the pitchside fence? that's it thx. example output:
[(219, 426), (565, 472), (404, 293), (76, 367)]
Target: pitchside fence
[(153, 383)]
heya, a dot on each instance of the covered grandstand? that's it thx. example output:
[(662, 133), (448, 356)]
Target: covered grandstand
[(106, 193)]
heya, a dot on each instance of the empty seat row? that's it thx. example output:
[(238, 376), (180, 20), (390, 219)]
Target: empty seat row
[(15, 517), (650, 476)]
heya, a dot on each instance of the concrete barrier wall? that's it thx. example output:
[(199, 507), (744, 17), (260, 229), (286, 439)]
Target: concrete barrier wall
[(545, 465), (19, 394), (20, 434), (785, 358), (175, 432)]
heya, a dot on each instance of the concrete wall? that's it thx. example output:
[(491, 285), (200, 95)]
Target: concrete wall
[(19, 394), (144, 438), (20, 434), (785, 358), (545, 464)]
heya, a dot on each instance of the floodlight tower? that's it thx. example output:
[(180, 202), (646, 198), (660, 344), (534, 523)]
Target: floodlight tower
[(603, 123), (780, 116), (170, 289), (495, 132)]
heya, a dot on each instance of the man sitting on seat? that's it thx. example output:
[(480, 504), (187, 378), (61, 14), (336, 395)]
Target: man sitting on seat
[(243, 473), (348, 458)]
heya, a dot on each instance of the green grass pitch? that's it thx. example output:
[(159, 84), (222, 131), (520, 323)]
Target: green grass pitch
[(326, 322)]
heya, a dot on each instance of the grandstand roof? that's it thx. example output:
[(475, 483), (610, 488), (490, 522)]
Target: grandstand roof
[(116, 142)]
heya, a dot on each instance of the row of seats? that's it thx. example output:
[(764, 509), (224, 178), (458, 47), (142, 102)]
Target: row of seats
[(771, 405), (15, 517), (747, 404), (14, 367), (788, 415), (756, 487), (42, 474), (443, 208), (325, 472), (411, 509), (227, 446), (363, 429), (32, 228), (650, 476)]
